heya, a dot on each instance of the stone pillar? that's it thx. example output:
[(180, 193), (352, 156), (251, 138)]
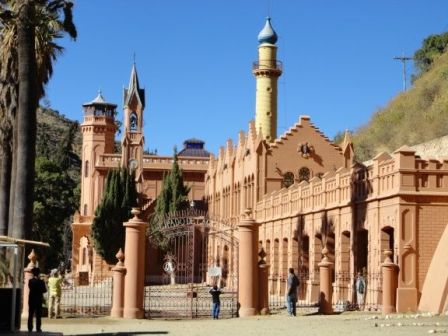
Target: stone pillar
[(118, 286), (263, 274), (389, 270), (248, 263), (326, 292), (27, 276), (135, 266)]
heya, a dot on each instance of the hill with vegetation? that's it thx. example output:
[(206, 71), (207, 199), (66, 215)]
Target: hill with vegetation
[(52, 128), (58, 169), (415, 116)]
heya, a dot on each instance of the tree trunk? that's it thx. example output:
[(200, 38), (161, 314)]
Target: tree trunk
[(12, 191), (26, 122)]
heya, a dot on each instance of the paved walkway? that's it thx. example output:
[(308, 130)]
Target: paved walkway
[(280, 324)]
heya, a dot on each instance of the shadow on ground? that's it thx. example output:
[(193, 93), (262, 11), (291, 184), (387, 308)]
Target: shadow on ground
[(125, 333)]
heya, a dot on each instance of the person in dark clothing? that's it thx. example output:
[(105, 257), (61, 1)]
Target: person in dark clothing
[(293, 283), (37, 289), (215, 292)]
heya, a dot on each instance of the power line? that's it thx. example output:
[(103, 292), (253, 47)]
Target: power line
[(403, 59)]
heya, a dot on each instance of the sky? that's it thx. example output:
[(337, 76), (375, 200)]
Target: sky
[(194, 60)]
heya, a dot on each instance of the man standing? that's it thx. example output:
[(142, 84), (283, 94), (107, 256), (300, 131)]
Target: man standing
[(216, 302), (37, 289), (54, 291), (291, 298)]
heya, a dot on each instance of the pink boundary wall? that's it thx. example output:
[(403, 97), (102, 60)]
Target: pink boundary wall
[(435, 288)]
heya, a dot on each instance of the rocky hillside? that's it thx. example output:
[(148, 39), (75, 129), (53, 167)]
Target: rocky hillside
[(412, 117)]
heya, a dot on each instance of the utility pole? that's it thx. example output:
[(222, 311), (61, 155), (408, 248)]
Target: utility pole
[(403, 59)]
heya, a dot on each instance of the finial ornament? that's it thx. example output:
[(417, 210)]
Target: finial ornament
[(120, 257), (248, 213), (135, 212), (325, 252), (262, 254), (388, 256), (32, 257)]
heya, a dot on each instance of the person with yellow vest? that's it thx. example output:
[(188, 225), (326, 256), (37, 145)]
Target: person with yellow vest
[(54, 294)]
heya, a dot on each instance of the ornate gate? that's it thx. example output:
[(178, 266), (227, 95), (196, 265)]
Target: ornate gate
[(202, 252)]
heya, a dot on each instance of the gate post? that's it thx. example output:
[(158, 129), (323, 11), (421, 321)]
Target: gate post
[(326, 291), (389, 270), (118, 286), (135, 266), (248, 264), (32, 257), (263, 273)]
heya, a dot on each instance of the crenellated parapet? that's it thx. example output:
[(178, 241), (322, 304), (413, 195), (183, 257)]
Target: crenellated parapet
[(402, 173)]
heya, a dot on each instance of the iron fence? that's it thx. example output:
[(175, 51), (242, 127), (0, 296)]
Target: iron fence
[(307, 299), (186, 301), (345, 296), (82, 301)]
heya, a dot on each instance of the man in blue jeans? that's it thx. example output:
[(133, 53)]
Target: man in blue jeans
[(293, 283), (215, 292)]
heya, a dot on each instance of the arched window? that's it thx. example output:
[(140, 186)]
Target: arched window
[(288, 180), (133, 121), (304, 174), (85, 210)]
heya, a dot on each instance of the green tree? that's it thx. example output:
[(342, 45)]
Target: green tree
[(53, 205), (179, 192), (432, 47), (119, 196), (28, 30)]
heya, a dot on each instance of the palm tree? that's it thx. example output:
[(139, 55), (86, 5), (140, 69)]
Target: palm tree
[(28, 30), (8, 107)]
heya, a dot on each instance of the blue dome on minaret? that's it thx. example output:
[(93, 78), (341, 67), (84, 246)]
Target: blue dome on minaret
[(267, 34)]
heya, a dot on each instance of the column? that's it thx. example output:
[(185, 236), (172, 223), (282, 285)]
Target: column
[(248, 272), (325, 267), (135, 266), (27, 276), (263, 274), (119, 272), (390, 282)]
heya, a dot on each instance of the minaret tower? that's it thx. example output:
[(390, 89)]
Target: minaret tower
[(98, 132), (267, 70), (133, 141)]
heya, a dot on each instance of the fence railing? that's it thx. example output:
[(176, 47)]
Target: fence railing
[(307, 299), (346, 297), (186, 301), (80, 301)]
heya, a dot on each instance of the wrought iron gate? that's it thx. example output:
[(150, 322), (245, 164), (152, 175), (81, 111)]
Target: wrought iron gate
[(202, 252)]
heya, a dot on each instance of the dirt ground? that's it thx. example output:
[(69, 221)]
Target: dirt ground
[(280, 324)]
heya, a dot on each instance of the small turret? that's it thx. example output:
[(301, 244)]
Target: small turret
[(99, 108), (98, 138)]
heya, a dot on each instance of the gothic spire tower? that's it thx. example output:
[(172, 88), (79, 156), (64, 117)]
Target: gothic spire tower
[(133, 141), (266, 71)]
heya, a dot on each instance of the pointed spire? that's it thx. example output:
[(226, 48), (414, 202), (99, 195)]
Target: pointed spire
[(133, 81), (134, 88), (267, 34), (347, 149), (347, 140)]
